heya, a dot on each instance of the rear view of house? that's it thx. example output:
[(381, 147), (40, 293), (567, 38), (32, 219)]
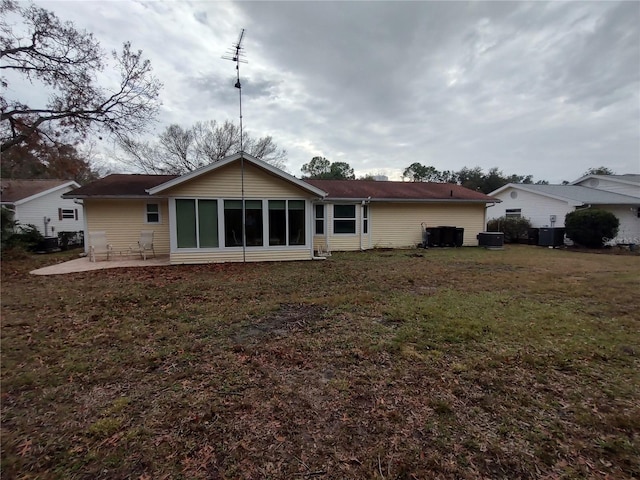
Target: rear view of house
[(243, 209)]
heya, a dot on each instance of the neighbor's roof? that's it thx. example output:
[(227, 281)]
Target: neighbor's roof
[(574, 194), (399, 191), (628, 178), (120, 185), (20, 190)]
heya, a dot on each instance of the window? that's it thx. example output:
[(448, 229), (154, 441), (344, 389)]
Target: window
[(319, 220), (513, 213), (68, 213), (253, 222), (296, 222), (208, 223), (344, 219), (365, 219), (153, 213), (233, 223), (186, 223), (277, 222), (197, 223), (286, 216)]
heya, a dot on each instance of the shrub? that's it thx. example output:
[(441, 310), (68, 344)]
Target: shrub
[(513, 228), (28, 237), (591, 227)]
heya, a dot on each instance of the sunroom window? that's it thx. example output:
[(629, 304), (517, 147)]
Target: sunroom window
[(197, 223)]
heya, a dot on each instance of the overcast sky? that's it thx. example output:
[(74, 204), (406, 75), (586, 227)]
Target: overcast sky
[(548, 89)]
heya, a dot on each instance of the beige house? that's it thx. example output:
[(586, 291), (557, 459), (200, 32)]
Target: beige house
[(243, 209)]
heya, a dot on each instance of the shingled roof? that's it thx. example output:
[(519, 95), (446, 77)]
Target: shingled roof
[(120, 185), (402, 191), (14, 190)]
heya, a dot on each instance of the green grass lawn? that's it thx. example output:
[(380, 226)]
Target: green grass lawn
[(450, 363)]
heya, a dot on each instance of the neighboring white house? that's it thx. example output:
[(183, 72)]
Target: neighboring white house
[(40, 203), (547, 205)]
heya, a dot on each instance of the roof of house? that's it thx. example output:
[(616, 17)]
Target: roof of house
[(120, 185), (574, 194), (628, 178), (400, 191), (22, 190)]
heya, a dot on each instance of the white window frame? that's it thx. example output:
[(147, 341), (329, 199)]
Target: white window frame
[(147, 213), (513, 213), (354, 219), (322, 219)]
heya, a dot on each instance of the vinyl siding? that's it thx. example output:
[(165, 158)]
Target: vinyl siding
[(537, 208), (34, 212), (611, 186), (122, 220), (226, 182), (629, 229), (398, 225), (236, 256)]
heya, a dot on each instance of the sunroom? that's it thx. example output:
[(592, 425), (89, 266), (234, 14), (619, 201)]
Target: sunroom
[(239, 209)]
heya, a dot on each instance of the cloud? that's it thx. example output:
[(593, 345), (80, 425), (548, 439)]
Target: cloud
[(542, 88)]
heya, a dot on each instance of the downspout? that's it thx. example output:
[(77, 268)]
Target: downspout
[(365, 203), (484, 226), (85, 234)]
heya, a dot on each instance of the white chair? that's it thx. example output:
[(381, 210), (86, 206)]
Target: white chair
[(98, 245), (145, 244)]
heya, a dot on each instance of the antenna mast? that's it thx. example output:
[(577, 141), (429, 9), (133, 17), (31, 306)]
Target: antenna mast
[(235, 54)]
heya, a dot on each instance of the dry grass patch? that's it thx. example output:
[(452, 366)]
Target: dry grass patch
[(460, 363)]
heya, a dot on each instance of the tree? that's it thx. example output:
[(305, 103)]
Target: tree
[(318, 167), (417, 172), (341, 171), (321, 168), (599, 171), (179, 150), (36, 158), (64, 61), (591, 227)]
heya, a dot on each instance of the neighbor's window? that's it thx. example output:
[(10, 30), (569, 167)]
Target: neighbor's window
[(197, 223), (513, 213), (68, 213), (319, 219), (153, 213), (344, 219)]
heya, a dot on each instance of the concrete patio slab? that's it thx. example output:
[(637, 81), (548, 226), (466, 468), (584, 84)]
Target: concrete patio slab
[(85, 265)]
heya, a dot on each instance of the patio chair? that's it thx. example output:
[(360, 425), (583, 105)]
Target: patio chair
[(98, 245), (145, 244)]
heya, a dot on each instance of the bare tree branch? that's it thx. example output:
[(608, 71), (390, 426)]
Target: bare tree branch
[(66, 61)]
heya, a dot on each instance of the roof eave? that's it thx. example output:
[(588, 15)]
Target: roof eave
[(46, 192), (411, 200), (122, 197)]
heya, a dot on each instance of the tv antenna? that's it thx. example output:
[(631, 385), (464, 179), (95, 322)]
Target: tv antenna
[(235, 54)]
